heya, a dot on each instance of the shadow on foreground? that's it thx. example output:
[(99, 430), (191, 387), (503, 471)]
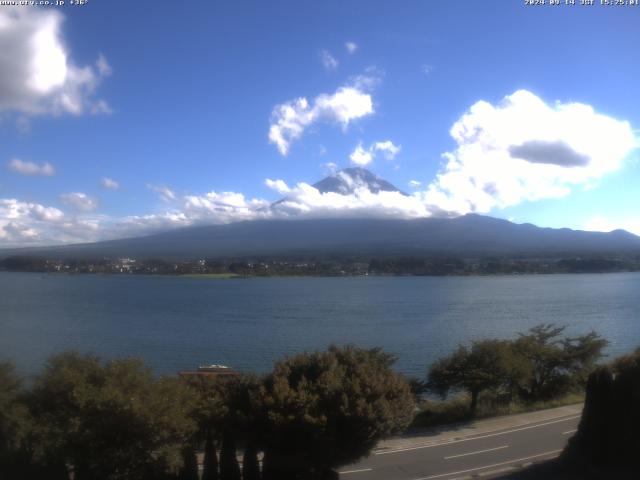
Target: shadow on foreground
[(607, 443)]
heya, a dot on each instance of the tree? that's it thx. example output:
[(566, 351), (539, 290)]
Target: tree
[(189, 470), (486, 365), (206, 412), (608, 437), (241, 422), (109, 420), (554, 364), (210, 467), (14, 423), (327, 409)]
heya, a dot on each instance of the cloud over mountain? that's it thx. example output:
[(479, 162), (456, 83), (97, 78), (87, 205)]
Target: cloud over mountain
[(523, 149)]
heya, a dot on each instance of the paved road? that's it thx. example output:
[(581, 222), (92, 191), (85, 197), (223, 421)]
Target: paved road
[(482, 454)]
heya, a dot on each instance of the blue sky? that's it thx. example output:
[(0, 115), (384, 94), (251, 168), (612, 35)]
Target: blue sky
[(121, 118)]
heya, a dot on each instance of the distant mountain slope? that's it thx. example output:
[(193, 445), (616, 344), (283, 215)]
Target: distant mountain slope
[(468, 235)]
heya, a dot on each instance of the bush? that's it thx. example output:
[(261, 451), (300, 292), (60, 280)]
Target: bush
[(327, 409)]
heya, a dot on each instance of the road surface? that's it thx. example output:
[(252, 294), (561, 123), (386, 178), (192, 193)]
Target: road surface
[(487, 449)]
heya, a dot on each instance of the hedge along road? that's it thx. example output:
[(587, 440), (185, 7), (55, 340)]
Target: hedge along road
[(497, 445)]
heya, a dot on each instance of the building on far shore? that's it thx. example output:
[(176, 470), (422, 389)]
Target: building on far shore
[(209, 371)]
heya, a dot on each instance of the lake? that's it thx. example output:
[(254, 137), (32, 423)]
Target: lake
[(177, 323)]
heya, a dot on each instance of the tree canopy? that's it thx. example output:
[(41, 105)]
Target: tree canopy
[(109, 420), (539, 364), (327, 409)]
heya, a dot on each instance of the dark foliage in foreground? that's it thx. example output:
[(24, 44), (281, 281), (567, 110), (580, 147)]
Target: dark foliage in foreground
[(539, 365), (96, 420), (609, 432), (328, 409)]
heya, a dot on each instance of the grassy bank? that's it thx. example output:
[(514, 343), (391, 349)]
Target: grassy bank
[(456, 409), (208, 276)]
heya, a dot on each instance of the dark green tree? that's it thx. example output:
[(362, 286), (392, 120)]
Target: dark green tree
[(250, 465), (109, 420), (189, 470), (327, 409), (241, 421), (229, 467), (15, 424), (607, 442), (553, 364), (210, 467), (486, 365)]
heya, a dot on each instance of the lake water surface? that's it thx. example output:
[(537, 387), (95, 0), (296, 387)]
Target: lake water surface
[(176, 323)]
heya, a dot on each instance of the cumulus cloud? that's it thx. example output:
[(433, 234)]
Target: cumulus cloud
[(79, 201), (524, 149), (553, 153), (109, 184), (351, 47), (163, 191), (387, 148), (364, 156), (360, 156), (521, 149), (306, 201), (23, 221), (38, 76), (329, 62), (25, 167), (289, 120), (278, 185)]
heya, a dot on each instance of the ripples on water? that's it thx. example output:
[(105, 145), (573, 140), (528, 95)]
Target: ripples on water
[(177, 323)]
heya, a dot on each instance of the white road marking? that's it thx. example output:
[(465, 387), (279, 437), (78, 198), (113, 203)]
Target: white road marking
[(553, 452), (449, 442), (356, 471), (475, 453), (569, 432)]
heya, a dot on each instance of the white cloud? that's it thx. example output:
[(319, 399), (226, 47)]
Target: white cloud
[(387, 148), (21, 222), (165, 192), (360, 156), (305, 201), (38, 76), (289, 120), (524, 150), (519, 150), (109, 184), (100, 108), (364, 156), (25, 167), (329, 62), (330, 167), (79, 201), (351, 47), (104, 69), (278, 185)]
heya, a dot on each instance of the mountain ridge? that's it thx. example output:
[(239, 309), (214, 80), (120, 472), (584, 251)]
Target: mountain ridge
[(465, 236), (468, 235)]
